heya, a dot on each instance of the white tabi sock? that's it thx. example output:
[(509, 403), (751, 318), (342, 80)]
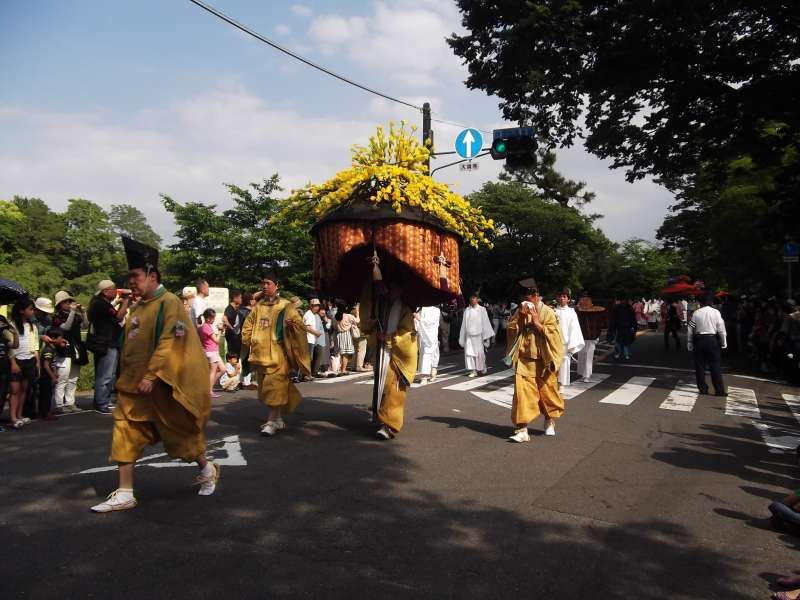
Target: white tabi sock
[(208, 470)]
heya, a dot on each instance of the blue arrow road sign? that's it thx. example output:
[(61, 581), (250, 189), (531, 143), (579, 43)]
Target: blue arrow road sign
[(469, 143)]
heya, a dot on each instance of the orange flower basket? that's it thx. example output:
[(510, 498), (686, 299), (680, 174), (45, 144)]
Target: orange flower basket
[(412, 248)]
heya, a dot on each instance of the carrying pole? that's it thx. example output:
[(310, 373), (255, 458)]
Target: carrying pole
[(427, 133)]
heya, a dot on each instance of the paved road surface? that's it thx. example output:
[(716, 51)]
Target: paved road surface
[(647, 491)]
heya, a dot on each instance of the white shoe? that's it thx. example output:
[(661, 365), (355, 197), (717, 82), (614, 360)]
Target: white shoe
[(424, 381), (433, 375), (587, 380), (473, 374), (384, 433), (208, 484), (117, 500), (549, 427), (484, 372), (269, 428), (280, 424), (520, 435)]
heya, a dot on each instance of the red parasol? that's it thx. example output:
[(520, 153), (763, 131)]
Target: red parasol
[(682, 288)]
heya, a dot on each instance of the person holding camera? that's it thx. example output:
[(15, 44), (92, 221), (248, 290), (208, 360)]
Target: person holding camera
[(102, 340), (69, 316)]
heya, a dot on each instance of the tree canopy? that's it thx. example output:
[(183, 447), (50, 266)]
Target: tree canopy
[(662, 86), (235, 247)]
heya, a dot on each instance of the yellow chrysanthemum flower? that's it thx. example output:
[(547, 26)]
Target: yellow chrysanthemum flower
[(393, 170)]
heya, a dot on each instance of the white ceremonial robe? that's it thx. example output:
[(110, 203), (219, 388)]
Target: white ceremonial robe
[(427, 327), (573, 339), (475, 329), (586, 359)]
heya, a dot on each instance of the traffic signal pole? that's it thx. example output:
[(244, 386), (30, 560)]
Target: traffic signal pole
[(427, 133)]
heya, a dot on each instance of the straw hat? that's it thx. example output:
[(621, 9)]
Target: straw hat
[(585, 305), (104, 285), (45, 305), (61, 296)]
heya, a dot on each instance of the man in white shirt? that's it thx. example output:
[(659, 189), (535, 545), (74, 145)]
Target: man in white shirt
[(199, 304), (707, 336), (476, 331), (570, 334), (426, 322), (315, 334)]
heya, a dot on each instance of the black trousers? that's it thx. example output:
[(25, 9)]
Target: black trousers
[(707, 352), (672, 328)]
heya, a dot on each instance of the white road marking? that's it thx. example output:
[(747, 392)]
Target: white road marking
[(343, 378), (778, 440), (682, 398), (578, 387), (443, 369), (637, 366), (794, 404), (438, 379), (480, 381), (629, 391), (224, 452), (741, 402), (501, 397)]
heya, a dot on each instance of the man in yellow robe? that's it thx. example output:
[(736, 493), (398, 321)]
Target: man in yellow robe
[(159, 394), (535, 350), (397, 342), (276, 335)]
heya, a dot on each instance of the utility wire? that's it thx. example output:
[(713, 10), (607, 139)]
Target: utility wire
[(280, 48)]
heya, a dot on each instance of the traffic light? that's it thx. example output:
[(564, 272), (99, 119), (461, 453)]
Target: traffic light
[(517, 146)]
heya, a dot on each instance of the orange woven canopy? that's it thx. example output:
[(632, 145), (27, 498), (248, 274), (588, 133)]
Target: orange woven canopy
[(413, 250)]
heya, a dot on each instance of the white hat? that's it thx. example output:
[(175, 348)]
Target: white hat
[(45, 305), (314, 302), (104, 285), (188, 292), (61, 296)]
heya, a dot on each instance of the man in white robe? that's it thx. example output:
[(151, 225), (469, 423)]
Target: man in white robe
[(476, 331), (426, 322), (570, 334)]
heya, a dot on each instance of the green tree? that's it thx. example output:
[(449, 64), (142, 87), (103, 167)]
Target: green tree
[(11, 218), (234, 248), (656, 87), (36, 274), (90, 243), (41, 232), (130, 221), (535, 237), (644, 269), (551, 184)]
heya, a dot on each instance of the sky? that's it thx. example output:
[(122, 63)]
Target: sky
[(119, 102)]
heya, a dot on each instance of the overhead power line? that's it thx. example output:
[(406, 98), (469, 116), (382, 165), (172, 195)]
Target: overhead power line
[(296, 56)]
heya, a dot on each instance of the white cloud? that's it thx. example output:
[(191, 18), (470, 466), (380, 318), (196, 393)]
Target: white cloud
[(331, 32), (187, 149), (404, 40), (301, 10), (282, 29)]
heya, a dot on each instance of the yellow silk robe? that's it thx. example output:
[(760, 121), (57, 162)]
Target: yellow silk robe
[(180, 399), (403, 351), (536, 359), (276, 335)]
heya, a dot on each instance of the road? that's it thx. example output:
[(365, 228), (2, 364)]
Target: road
[(647, 491)]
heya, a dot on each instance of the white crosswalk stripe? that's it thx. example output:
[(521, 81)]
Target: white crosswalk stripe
[(629, 391), (578, 387), (793, 401), (682, 398), (741, 402), (502, 396), (480, 381), (443, 369)]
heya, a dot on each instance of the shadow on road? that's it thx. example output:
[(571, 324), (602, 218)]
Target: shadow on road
[(325, 511)]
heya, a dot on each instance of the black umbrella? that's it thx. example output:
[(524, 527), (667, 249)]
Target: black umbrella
[(10, 291)]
